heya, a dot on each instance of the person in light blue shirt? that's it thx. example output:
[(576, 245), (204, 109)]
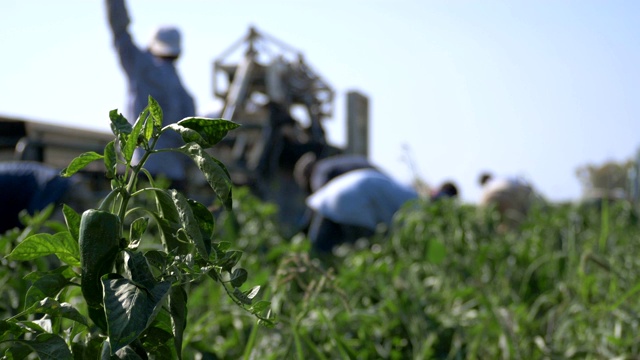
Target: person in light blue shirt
[(352, 205), (152, 72)]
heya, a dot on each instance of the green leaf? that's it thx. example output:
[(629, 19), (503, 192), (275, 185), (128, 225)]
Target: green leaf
[(156, 112), (229, 260), (130, 308), (119, 125), (61, 244), (156, 259), (138, 227), (9, 327), (110, 159), (49, 347), (48, 284), (203, 131), (72, 219), (168, 220), (55, 308), (252, 292), (241, 296), (238, 277), (138, 269), (214, 172), (190, 224), (260, 306), (148, 129), (206, 222), (178, 308), (132, 139), (80, 162)]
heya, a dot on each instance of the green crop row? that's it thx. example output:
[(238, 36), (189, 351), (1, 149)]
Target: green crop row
[(444, 282)]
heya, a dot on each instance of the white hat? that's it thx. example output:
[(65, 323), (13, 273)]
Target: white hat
[(165, 42)]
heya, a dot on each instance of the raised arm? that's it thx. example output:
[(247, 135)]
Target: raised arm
[(119, 21)]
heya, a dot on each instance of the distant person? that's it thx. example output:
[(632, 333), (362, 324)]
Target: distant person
[(152, 71), (511, 196), (311, 173), (446, 191), (352, 205), (32, 186)]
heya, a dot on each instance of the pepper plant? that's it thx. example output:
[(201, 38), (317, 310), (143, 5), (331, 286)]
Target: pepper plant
[(133, 296)]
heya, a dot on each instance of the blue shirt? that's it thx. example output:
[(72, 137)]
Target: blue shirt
[(364, 197), (158, 77)]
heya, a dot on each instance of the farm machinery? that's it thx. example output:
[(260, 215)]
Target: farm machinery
[(280, 101)]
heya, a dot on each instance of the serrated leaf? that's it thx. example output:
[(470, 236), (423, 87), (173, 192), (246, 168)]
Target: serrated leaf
[(110, 159), (130, 308), (80, 162), (61, 244), (214, 172)]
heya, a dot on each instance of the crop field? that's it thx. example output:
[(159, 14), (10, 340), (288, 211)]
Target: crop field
[(444, 282)]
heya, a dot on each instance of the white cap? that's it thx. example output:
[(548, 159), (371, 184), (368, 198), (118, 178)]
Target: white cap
[(165, 42)]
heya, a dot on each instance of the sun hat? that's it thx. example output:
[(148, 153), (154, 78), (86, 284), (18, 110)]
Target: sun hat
[(165, 42)]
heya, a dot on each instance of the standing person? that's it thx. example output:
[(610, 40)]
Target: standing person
[(152, 72)]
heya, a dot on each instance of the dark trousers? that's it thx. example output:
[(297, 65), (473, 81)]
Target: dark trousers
[(325, 234)]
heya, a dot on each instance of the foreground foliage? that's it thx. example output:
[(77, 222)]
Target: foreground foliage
[(113, 282)]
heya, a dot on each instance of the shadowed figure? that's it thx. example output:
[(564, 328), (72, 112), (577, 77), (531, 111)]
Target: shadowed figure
[(152, 72)]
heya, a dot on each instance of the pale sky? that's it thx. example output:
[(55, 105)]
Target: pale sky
[(532, 88)]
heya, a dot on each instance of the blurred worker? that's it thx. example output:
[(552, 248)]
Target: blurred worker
[(447, 190), (311, 173), (511, 196), (352, 205), (152, 71), (32, 186)]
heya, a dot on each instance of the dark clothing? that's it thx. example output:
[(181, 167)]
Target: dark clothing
[(27, 186), (325, 234), (149, 75)]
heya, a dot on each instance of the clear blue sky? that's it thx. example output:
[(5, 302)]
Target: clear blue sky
[(534, 88)]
